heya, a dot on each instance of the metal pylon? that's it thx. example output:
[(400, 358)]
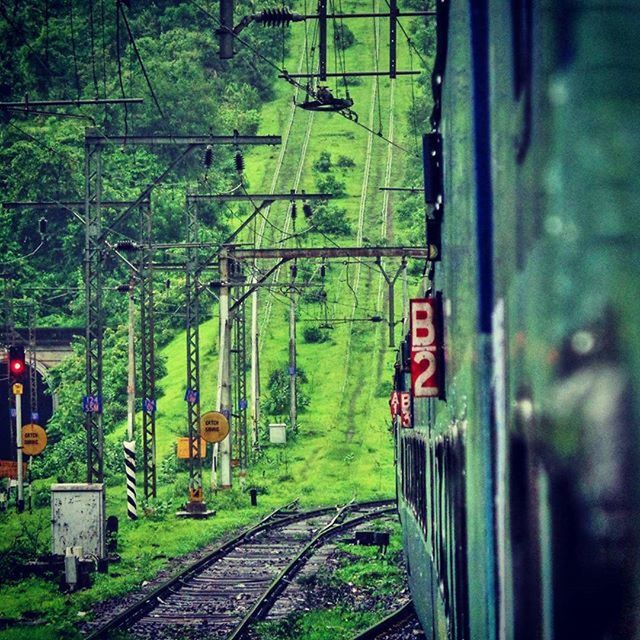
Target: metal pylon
[(93, 269), (193, 356), (240, 388), (147, 352)]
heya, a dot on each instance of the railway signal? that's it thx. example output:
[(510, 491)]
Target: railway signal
[(17, 369), (17, 364)]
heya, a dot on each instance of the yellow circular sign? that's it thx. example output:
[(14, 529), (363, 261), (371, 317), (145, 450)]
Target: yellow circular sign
[(34, 439), (214, 427)]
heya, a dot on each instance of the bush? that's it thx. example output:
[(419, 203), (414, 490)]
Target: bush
[(343, 36), (314, 334), (332, 220), (323, 163), (312, 295), (345, 162), (330, 184), (277, 400)]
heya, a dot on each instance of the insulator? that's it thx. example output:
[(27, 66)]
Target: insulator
[(167, 284), (307, 210), (277, 17), (126, 245), (323, 271), (239, 162), (294, 271), (123, 288), (207, 159), (376, 319), (294, 211), (42, 226)]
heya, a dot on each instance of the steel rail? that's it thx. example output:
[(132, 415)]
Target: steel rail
[(137, 610), (265, 602), (398, 616)]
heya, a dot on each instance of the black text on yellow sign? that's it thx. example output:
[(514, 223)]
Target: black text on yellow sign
[(214, 426)]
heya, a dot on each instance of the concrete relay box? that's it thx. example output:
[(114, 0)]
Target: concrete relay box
[(278, 433), (78, 518)]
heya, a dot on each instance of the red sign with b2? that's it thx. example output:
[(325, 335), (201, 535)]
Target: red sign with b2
[(426, 348)]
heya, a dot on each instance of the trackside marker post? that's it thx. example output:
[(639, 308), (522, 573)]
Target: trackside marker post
[(17, 392), (130, 444)]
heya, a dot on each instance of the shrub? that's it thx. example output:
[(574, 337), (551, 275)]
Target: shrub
[(345, 162), (331, 220), (330, 184), (314, 334), (323, 163), (343, 36), (277, 400)]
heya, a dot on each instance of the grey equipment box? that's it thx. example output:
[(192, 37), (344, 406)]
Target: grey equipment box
[(77, 518), (278, 433)]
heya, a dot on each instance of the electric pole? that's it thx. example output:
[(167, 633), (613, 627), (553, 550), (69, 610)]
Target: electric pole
[(293, 400), (224, 377), (255, 370), (94, 250), (129, 445)]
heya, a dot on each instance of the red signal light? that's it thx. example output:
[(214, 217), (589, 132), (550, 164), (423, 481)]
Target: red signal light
[(17, 366)]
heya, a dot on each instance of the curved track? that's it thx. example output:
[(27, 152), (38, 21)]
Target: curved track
[(225, 592), (402, 623)]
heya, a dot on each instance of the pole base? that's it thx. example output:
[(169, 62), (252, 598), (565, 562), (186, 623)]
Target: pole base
[(195, 509)]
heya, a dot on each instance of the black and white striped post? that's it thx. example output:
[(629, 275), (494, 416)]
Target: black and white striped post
[(130, 471), (130, 444)]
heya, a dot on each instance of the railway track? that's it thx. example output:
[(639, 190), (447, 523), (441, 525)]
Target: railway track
[(224, 593), (399, 625)]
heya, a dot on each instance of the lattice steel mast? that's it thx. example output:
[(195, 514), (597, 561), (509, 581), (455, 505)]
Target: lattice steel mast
[(147, 352)]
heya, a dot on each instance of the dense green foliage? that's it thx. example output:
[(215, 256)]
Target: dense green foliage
[(41, 158), (69, 50), (276, 403)]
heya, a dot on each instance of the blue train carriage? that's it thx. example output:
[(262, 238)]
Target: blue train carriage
[(518, 495)]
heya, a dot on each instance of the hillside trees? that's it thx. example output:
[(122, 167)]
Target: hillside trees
[(67, 50)]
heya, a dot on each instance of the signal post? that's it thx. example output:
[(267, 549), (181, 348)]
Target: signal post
[(17, 369)]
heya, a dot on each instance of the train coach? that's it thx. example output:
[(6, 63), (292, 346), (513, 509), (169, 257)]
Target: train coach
[(517, 445)]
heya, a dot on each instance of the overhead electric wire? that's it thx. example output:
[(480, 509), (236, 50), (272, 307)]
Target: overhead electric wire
[(92, 40), (376, 62), (73, 50), (347, 115), (104, 51), (139, 57), (28, 255), (413, 105), (39, 143), (59, 114), (343, 49), (120, 81), (46, 32)]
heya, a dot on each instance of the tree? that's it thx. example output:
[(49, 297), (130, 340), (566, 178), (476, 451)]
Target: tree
[(278, 399)]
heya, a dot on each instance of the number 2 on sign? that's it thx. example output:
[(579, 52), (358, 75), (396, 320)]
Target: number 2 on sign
[(425, 384), (424, 343)]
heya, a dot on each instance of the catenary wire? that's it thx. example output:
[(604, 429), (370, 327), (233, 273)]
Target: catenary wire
[(348, 116), (140, 62)]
